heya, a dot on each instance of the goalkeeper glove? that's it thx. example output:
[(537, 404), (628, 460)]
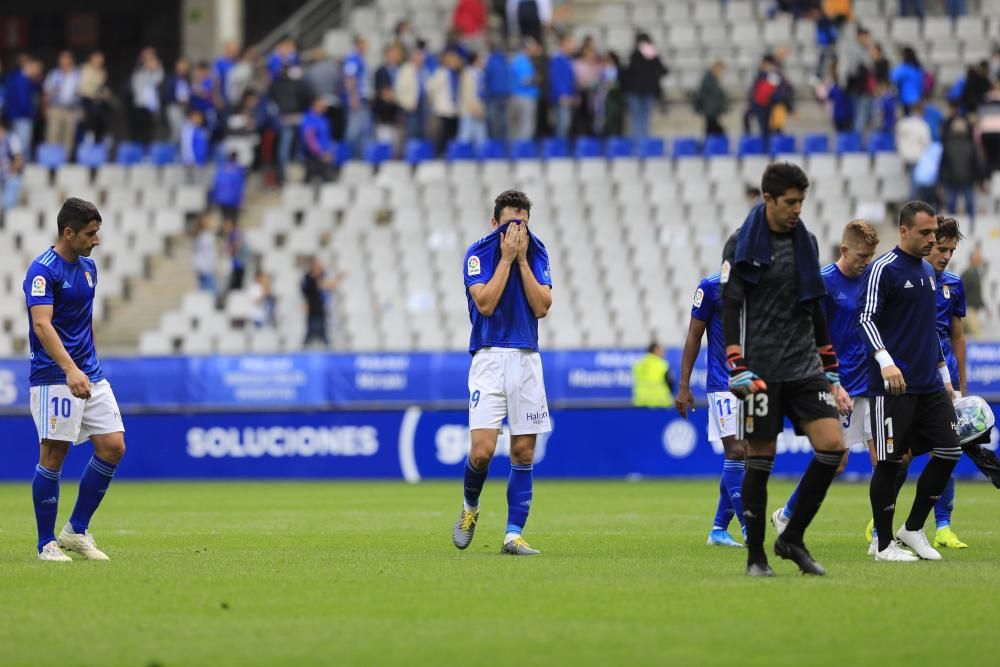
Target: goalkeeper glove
[(742, 380), (831, 367)]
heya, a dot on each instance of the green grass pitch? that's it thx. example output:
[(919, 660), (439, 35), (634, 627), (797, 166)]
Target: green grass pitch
[(334, 573)]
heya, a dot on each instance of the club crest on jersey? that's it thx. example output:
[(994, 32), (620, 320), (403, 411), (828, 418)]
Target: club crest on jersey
[(52, 423), (724, 272), (38, 286), (946, 291), (90, 278), (699, 296), (473, 267)]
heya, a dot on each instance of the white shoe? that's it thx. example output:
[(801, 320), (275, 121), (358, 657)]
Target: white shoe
[(82, 544), (916, 540), (51, 551), (779, 521), (873, 547), (893, 553)]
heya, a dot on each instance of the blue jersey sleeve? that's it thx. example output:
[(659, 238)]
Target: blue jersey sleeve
[(876, 285), (539, 266), (479, 266), (38, 286), (958, 295), (703, 306)]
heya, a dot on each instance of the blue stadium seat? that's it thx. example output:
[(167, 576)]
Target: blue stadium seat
[(461, 150), (50, 155), (492, 149), (653, 147), (849, 142), (782, 143), (92, 155), (881, 142), (418, 150), (342, 152), (162, 153), (619, 147), (130, 153), (685, 147), (554, 147), (751, 145), (523, 149), (716, 144), (588, 147), (816, 143), (377, 152)]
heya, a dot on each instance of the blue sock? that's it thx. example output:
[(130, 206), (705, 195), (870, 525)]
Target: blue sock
[(945, 504), (474, 481), (518, 497), (732, 478), (792, 499), (45, 493), (93, 485), (724, 511)]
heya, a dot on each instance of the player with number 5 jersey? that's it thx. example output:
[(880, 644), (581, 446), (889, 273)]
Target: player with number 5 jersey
[(508, 285), (71, 401)]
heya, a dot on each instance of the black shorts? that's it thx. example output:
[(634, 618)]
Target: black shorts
[(915, 423), (800, 400)]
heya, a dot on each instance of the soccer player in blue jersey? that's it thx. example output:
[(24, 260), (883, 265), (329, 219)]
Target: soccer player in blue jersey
[(909, 386), (843, 285), (723, 406), (71, 401), (950, 312), (508, 284)]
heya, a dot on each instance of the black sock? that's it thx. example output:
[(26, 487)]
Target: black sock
[(755, 504), (882, 492), (901, 476), (930, 486), (812, 490)]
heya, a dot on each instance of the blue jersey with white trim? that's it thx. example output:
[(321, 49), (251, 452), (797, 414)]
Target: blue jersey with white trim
[(898, 312), (69, 288), (707, 307), (841, 307), (950, 304)]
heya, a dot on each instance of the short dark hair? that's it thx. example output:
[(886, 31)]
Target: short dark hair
[(908, 213), (652, 347), (948, 229), (76, 214), (780, 177), (513, 198)]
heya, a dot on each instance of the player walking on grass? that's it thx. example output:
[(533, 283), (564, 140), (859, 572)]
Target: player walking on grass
[(509, 288), (843, 284), (780, 359), (71, 401), (723, 406), (908, 383)]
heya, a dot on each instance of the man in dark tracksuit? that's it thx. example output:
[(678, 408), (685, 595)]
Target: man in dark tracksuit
[(908, 382)]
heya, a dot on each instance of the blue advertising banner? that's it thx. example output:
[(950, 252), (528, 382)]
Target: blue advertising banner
[(410, 444)]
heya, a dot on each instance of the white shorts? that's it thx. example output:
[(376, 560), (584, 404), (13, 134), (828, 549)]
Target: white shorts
[(507, 382), (59, 415), (723, 415), (857, 425)]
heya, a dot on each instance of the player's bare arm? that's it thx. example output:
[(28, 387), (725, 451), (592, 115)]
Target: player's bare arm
[(692, 345), (76, 380), (958, 346), (486, 297)]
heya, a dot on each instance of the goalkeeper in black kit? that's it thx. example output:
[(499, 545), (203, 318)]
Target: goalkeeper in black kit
[(780, 359)]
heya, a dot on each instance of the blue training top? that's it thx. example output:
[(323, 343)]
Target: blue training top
[(950, 303), (69, 288), (707, 307), (841, 307), (512, 323)]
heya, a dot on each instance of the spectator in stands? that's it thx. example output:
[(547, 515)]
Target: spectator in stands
[(404, 34), (240, 76), (912, 8), (317, 142), (955, 8), (355, 96), (11, 162), (995, 65), (711, 101), (264, 301), (652, 379), (290, 97), (524, 91), (497, 90), (642, 86), (934, 118), (146, 79), (442, 90), (860, 78), (222, 66), (764, 95), (977, 85), (176, 96), (242, 130), (609, 99), (472, 105), (62, 103), (20, 91), (95, 98), (589, 71), (827, 34), (194, 140), (411, 93), (841, 108), (913, 136), (227, 188), (530, 16), (972, 280), (469, 21), (926, 176), (206, 256), (385, 111), (323, 78), (562, 86), (960, 166), (316, 289), (285, 55), (885, 106), (205, 97), (238, 252), (988, 129), (838, 9), (908, 77)]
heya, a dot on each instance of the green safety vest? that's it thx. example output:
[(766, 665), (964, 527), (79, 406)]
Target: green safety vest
[(649, 383)]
